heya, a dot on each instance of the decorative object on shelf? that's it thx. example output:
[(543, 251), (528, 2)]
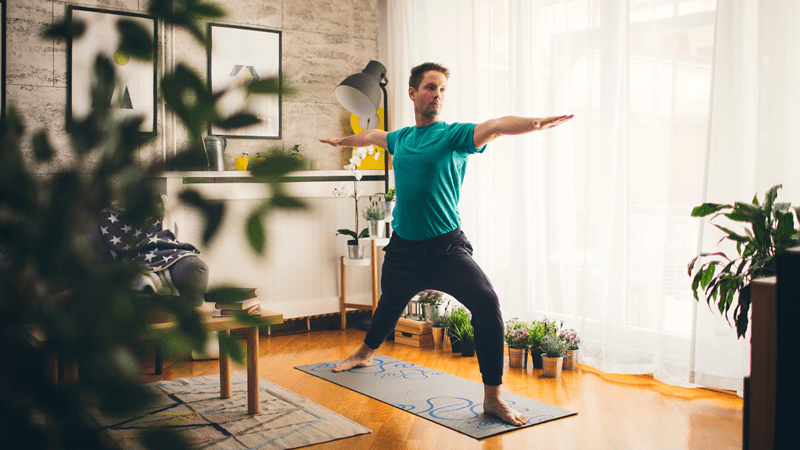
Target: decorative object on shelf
[(359, 124), (238, 57), (242, 162), (215, 152), (769, 230), (553, 349), (518, 339), (360, 94), (375, 215), (570, 337), (134, 65)]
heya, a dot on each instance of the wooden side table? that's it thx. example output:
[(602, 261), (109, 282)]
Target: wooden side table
[(373, 262), (225, 325)]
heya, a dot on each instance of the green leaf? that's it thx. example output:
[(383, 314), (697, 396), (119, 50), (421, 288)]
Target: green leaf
[(708, 273), (65, 29), (238, 120), (346, 232), (364, 233), (275, 166), (229, 344), (158, 438), (41, 146), (212, 212), (135, 40), (255, 232), (770, 196), (265, 86), (707, 208), (742, 310)]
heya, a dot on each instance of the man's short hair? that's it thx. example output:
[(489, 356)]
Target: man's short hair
[(418, 72)]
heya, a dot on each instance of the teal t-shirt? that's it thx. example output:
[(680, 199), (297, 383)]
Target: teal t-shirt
[(429, 166)]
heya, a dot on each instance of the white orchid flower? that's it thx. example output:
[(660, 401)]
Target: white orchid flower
[(357, 174), (359, 194), (360, 152)]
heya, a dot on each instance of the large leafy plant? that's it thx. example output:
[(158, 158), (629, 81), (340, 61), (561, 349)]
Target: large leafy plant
[(51, 279), (768, 228)]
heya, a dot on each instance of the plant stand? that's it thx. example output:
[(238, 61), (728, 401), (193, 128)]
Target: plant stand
[(552, 366), (517, 358), (373, 262)]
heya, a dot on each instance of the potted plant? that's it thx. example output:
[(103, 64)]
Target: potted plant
[(375, 215), (536, 332), (553, 350), (769, 228), (456, 320), (388, 202), (466, 334), (355, 250), (438, 322), (570, 337), (518, 339), (429, 299)]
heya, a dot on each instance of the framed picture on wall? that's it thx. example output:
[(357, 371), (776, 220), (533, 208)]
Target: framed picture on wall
[(238, 56), (3, 58), (135, 94)]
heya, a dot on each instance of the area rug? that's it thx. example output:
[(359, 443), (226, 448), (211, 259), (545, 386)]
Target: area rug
[(193, 406), (445, 399)]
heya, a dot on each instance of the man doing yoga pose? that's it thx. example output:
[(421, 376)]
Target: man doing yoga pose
[(428, 250)]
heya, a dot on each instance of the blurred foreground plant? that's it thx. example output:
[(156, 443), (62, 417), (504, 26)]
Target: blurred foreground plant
[(54, 281)]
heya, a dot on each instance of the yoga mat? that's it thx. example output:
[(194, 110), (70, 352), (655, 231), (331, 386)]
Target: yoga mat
[(445, 399), (194, 408)]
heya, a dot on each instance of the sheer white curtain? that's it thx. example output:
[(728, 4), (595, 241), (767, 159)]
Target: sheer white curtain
[(588, 223), (753, 142)]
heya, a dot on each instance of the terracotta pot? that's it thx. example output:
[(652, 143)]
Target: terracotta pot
[(552, 366), (438, 337), (518, 358), (571, 360)]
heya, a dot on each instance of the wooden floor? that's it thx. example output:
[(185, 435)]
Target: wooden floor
[(614, 411)]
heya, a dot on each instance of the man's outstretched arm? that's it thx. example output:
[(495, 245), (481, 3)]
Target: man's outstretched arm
[(363, 139), (492, 129)]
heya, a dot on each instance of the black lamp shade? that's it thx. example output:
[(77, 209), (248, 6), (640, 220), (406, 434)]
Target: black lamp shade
[(360, 93)]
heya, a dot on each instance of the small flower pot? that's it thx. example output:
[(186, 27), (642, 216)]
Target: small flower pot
[(376, 229), (355, 250), (571, 360), (552, 366), (438, 337), (536, 358), (518, 358), (467, 348)]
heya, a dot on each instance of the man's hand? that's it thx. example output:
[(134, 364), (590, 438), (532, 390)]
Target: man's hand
[(363, 139), (550, 122), (336, 142)]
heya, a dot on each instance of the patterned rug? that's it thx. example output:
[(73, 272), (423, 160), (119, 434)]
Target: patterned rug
[(445, 399), (193, 406)]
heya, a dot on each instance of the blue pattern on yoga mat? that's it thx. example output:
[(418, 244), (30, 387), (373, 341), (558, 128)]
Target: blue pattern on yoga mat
[(445, 399)]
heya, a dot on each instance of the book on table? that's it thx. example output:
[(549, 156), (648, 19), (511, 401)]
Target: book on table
[(230, 295), (238, 306), (253, 311)]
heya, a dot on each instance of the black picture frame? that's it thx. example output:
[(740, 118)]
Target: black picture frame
[(236, 56), (138, 78), (3, 59)]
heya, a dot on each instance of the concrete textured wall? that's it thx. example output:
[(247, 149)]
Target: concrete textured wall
[(323, 41)]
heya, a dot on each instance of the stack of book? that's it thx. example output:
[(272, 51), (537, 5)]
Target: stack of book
[(248, 304)]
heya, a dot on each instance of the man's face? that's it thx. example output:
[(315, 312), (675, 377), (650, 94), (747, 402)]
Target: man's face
[(429, 97)]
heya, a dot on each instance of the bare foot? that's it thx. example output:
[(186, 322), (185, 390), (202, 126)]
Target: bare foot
[(496, 406), (361, 358)]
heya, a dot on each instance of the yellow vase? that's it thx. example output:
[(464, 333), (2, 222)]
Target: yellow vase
[(241, 163)]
